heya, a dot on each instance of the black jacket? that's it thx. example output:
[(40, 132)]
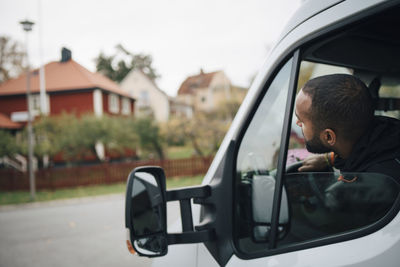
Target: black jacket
[(378, 150)]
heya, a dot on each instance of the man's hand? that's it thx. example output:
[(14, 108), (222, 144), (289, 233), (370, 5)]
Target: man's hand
[(314, 163)]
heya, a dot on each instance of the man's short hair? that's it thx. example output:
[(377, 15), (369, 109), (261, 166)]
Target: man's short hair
[(340, 102)]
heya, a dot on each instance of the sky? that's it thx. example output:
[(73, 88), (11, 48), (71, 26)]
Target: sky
[(182, 36)]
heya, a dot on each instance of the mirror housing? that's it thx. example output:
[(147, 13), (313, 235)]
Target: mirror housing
[(145, 213)]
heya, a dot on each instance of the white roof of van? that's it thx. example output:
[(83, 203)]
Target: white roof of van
[(307, 10)]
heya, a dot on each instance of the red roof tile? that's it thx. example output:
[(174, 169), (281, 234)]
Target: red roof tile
[(6, 123), (191, 83), (61, 76)]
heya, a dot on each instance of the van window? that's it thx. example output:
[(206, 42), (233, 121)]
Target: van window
[(320, 205), (314, 206), (258, 153), (308, 70), (390, 92)]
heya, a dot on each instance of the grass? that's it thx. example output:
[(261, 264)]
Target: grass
[(19, 197), (184, 152), (179, 152), (176, 182)]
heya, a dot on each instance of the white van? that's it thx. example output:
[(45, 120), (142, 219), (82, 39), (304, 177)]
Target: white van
[(254, 208)]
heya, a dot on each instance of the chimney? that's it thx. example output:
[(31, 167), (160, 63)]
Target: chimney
[(201, 71), (66, 55)]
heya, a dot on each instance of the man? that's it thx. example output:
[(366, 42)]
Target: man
[(336, 114)]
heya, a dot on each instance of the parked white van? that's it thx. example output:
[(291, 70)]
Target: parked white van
[(254, 208)]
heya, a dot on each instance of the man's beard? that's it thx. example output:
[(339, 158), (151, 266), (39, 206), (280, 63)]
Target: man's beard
[(316, 146)]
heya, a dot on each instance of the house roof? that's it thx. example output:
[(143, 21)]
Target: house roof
[(191, 83), (6, 123), (61, 76), (134, 71)]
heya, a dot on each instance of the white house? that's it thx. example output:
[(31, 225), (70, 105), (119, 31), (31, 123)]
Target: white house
[(205, 91), (149, 98)]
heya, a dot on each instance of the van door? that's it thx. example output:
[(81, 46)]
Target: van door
[(286, 218)]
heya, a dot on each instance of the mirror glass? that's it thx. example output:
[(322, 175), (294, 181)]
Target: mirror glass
[(153, 245), (147, 215)]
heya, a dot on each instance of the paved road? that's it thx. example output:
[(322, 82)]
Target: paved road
[(76, 232)]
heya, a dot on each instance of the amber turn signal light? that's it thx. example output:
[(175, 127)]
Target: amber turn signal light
[(130, 247)]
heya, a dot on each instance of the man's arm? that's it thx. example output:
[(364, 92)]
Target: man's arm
[(316, 163)]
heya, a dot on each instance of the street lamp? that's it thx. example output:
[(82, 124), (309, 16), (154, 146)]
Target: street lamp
[(27, 26)]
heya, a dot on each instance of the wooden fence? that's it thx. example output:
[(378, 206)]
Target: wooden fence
[(105, 173)]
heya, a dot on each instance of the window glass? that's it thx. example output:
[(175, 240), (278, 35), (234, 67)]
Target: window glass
[(113, 103), (319, 204), (390, 88), (126, 106), (308, 70), (326, 204), (35, 102), (314, 205), (257, 161), (144, 98)]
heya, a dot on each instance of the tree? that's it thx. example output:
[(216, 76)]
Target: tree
[(117, 66), (204, 131), (81, 136), (11, 58), (227, 109), (207, 131), (50, 134), (150, 138), (77, 138), (47, 131), (174, 131), (8, 145), (121, 133)]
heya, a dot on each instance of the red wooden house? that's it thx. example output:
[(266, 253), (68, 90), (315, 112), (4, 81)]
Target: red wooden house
[(69, 88)]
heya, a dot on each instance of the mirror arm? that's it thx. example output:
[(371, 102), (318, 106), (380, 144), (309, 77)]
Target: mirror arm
[(188, 193), (191, 237), (186, 215), (184, 196)]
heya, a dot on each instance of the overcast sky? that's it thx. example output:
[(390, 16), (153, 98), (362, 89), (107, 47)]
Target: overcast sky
[(182, 36)]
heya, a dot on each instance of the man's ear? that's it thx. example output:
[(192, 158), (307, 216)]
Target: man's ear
[(328, 137)]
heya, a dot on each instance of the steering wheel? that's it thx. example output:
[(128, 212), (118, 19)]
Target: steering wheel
[(294, 168), (320, 196)]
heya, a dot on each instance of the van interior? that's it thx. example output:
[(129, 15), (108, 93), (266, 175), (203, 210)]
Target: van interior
[(370, 48)]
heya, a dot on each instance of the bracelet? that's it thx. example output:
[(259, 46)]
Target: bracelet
[(327, 160), (332, 159)]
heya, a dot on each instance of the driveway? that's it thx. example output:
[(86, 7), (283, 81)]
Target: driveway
[(75, 232)]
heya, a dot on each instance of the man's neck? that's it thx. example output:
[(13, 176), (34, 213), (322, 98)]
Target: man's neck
[(343, 150)]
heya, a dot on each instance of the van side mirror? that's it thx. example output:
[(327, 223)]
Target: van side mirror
[(145, 213)]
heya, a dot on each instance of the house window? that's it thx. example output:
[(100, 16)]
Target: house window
[(35, 103), (126, 106), (98, 102), (113, 103), (144, 98), (36, 106)]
